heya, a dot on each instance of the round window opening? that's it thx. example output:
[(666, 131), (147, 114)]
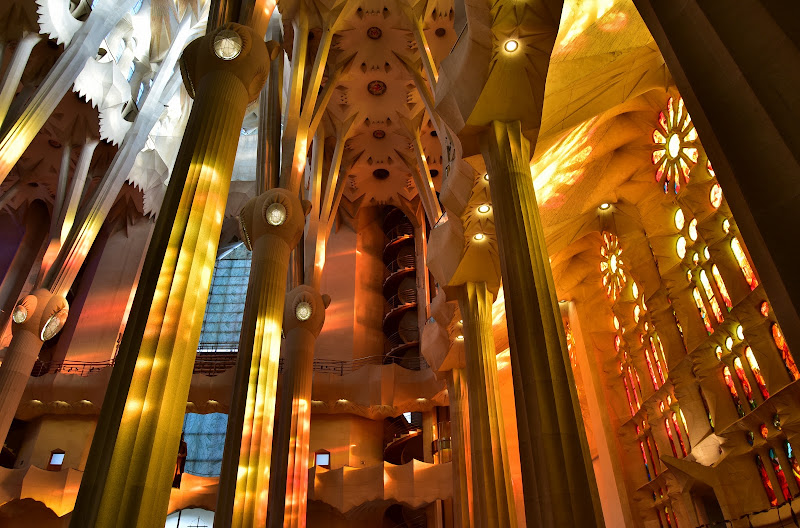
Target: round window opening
[(227, 44), (380, 174), (379, 134), (374, 33)]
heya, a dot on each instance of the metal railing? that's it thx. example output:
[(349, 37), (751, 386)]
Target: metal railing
[(394, 342), (403, 298), (402, 262), (399, 231), (215, 363)]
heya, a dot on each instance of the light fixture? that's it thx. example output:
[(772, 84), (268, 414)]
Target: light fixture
[(479, 236), (461, 321), (20, 314), (486, 176), (54, 324), (227, 44), (276, 214), (484, 208), (511, 45), (459, 337), (605, 206), (303, 311)]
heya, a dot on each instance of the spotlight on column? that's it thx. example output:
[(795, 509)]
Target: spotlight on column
[(276, 214), (511, 45), (20, 314), (486, 176), (459, 338), (303, 311), (605, 206), (484, 208), (479, 236), (227, 44)]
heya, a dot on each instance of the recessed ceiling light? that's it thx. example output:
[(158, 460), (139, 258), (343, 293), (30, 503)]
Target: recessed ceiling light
[(486, 176), (605, 206), (511, 45), (479, 236), (484, 208)]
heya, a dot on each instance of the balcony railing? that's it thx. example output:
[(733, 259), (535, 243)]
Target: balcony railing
[(403, 298), (215, 363), (399, 231)]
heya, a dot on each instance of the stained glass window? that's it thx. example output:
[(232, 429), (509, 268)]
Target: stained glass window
[(658, 361), (792, 462), (644, 455), (748, 391), (762, 384), (693, 229), (776, 466), (715, 196), (674, 152), (788, 361), (611, 266), (744, 264), (710, 295), (669, 437), (650, 368), (698, 301), (723, 290), (706, 408), (680, 247), (680, 220), (762, 471), (726, 375), (628, 395), (678, 433)]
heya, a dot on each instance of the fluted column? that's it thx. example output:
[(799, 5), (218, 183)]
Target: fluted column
[(557, 475), (35, 319), (133, 453), (36, 220), (83, 45), (303, 318), (494, 505), (460, 447), (271, 226), (13, 74)]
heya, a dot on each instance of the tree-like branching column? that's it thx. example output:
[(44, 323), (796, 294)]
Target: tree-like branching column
[(133, 452)]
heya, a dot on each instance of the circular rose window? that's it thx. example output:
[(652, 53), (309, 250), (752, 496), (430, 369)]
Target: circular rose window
[(377, 87), (374, 33)]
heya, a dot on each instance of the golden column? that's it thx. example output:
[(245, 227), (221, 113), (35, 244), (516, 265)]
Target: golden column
[(128, 475), (557, 473), (271, 227), (302, 322), (459, 442), (494, 505)]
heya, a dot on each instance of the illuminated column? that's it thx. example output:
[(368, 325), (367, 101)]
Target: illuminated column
[(128, 474), (738, 71), (83, 45), (460, 448), (494, 505), (35, 319), (271, 226), (303, 319), (13, 74), (557, 475), (36, 221)]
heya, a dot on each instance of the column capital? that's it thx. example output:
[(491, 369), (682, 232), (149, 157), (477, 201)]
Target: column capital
[(277, 213), (305, 308), (232, 48), (41, 313)]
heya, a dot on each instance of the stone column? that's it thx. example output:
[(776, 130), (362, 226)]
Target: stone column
[(557, 475), (128, 475), (36, 223), (303, 318), (18, 135), (36, 318), (494, 505), (271, 226), (13, 74), (738, 67), (460, 448)]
